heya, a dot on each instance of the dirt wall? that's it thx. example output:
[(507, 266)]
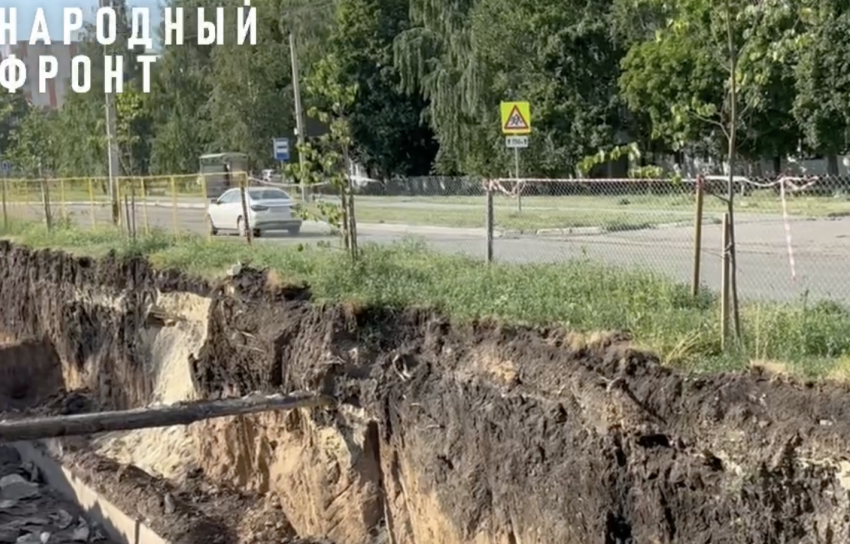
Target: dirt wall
[(446, 433)]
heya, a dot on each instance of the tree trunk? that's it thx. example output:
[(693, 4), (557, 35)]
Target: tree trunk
[(732, 156), (832, 164)]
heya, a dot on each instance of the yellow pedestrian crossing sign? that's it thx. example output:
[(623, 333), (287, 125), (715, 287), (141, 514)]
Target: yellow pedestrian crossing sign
[(516, 118)]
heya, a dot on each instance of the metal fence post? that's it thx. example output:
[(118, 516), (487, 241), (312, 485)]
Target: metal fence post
[(145, 206), (174, 220), (206, 204), (490, 221)]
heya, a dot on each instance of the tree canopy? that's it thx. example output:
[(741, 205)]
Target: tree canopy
[(429, 76)]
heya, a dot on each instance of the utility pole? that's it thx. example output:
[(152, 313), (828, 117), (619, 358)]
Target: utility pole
[(112, 143), (299, 113)]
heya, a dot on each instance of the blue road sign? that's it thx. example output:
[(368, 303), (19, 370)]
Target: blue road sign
[(5, 167), (281, 149)]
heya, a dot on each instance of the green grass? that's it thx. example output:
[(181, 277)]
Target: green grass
[(811, 339), (757, 202), (529, 220)]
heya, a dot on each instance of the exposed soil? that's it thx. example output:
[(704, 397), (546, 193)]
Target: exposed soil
[(446, 432), (30, 374)]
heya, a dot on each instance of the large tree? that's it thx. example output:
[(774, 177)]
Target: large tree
[(707, 73), (466, 57), (822, 104), (389, 133)]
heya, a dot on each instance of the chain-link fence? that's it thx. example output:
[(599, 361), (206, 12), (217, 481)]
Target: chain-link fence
[(792, 234), (179, 204)]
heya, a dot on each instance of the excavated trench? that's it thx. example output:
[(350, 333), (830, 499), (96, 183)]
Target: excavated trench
[(446, 433)]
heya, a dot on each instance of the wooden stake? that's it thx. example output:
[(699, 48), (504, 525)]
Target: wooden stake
[(45, 201), (160, 416), (698, 236), (243, 182), (724, 284)]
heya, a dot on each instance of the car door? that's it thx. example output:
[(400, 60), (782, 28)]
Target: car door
[(231, 209), (214, 211), (219, 214)]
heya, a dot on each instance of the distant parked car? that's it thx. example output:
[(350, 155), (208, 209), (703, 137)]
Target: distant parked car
[(270, 176), (268, 210)]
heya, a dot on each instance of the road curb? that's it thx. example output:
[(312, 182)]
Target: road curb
[(604, 230)]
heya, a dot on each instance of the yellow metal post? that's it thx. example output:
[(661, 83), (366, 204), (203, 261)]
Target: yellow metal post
[(64, 209), (174, 219), (91, 202), (145, 206), (206, 202)]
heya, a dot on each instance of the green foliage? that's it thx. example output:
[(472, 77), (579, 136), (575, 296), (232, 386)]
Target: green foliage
[(430, 74), (13, 108), (467, 57), (328, 160), (247, 106), (34, 142), (389, 136), (680, 74), (822, 104)]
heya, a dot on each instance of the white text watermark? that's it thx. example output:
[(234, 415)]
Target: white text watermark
[(16, 67)]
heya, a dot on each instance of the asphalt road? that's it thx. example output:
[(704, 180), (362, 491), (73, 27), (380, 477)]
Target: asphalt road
[(821, 248)]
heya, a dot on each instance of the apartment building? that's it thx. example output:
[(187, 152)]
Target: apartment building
[(58, 87)]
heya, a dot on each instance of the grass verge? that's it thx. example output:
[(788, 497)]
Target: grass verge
[(530, 220), (640, 204), (811, 339)]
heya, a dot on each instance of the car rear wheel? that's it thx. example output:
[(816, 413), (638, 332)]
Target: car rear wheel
[(294, 231)]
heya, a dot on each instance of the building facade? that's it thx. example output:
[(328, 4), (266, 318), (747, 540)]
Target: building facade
[(57, 88)]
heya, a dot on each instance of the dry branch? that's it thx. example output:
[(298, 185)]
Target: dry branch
[(158, 416)]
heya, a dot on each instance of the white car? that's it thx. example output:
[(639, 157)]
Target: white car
[(268, 210)]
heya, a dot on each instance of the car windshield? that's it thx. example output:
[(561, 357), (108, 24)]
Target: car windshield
[(268, 194)]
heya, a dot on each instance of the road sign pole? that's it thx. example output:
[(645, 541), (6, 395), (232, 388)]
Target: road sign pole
[(518, 186), (516, 126), (490, 220)]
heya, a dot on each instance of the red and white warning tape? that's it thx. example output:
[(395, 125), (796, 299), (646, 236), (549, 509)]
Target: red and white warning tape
[(788, 241), (786, 184), (498, 185)]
